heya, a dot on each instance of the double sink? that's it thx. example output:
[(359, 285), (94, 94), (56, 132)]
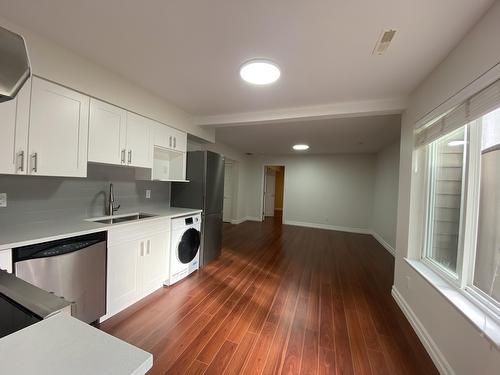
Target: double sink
[(122, 218)]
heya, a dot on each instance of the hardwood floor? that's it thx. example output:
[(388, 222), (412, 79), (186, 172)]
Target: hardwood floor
[(281, 299)]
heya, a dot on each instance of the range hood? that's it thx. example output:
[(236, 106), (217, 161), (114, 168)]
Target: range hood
[(14, 64)]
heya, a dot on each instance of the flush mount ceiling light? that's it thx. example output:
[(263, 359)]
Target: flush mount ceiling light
[(260, 72), (300, 147)]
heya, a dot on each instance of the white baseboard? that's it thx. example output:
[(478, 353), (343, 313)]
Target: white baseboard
[(326, 226), (437, 357), (238, 221), (253, 218), (383, 242), (246, 218)]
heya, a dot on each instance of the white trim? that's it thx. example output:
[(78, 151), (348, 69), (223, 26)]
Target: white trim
[(383, 242), (246, 218), (253, 218), (436, 355), (327, 226), (334, 110), (485, 321), (238, 221)]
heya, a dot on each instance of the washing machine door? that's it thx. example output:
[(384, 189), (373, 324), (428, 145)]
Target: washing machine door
[(188, 245)]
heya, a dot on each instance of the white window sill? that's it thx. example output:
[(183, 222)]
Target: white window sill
[(468, 306)]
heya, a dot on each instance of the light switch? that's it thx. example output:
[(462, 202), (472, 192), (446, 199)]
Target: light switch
[(148, 193), (3, 199)]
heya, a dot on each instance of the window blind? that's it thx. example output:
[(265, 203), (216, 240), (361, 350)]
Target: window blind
[(473, 108)]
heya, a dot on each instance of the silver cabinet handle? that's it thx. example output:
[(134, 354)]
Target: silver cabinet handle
[(20, 159), (123, 156), (129, 156), (34, 162), (175, 142), (170, 141), (142, 248), (148, 247)]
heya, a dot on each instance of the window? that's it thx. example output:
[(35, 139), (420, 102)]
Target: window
[(446, 178), (487, 256), (461, 194)]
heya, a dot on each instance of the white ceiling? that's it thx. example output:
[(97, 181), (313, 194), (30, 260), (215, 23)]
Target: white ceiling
[(189, 51), (326, 136)]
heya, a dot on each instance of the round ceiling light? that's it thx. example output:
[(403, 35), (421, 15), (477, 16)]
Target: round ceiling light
[(260, 72), (300, 147)]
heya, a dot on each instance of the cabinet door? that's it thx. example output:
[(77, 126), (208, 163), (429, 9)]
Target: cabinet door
[(179, 140), (58, 130), (14, 123), (139, 148), (155, 261), (124, 276), (107, 133), (160, 135)]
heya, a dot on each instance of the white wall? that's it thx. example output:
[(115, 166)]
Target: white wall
[(62, 66), (456, 345), (330, 191), (385, 202)]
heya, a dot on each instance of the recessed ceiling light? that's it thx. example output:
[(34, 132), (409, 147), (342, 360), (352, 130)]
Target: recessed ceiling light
[(300, 147), (456, 143), (260, 72)]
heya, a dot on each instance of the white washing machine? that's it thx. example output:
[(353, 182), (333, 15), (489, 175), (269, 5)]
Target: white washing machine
[(184, 247)]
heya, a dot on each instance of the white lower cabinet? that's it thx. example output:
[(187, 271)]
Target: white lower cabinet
[(123, 276), (137, 263), (155, 261)]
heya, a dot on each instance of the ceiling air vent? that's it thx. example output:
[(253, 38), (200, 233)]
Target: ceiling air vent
[(384, 41)]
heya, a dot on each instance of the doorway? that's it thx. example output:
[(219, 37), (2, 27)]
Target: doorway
[(274, 186)]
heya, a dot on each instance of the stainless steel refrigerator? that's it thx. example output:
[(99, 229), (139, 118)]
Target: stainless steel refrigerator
[(205, 190)]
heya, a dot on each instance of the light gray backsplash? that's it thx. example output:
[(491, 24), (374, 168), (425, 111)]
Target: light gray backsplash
[(33, 198)]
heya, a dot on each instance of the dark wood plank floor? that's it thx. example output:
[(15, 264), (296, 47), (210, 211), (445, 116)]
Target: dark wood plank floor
[(281, 299)]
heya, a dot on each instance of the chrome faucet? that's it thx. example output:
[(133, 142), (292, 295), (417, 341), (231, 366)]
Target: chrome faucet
[(111, 202)]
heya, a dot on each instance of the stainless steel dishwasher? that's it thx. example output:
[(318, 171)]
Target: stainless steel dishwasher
[(73, 268)]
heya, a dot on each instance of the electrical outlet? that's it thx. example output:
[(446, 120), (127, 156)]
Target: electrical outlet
[(3, 199), (148, 193)]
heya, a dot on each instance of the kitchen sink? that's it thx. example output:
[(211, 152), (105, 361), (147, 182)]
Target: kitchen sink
[(122, 218)]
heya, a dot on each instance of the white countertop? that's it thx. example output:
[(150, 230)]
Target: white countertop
[(62, 345), (15, 234)]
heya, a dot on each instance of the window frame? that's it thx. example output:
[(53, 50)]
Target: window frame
[(463, 279), (452, 277)]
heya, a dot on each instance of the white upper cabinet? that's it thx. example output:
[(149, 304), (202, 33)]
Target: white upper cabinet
[(107, 133), (50, 130), (58, 131), (167, 137), (138, 141), (14, 124), (119, 137), (179, 140)]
